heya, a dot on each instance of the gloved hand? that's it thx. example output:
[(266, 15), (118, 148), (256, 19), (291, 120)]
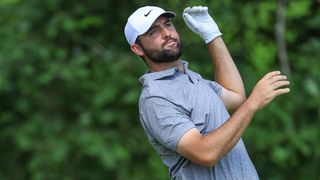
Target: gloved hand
[(199, 21)]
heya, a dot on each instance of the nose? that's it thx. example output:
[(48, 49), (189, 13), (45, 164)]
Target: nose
[(166, 32)]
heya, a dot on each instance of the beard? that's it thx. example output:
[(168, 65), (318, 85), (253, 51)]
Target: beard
[(164, 55)]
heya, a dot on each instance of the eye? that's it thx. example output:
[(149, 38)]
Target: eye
[(169, 24), (153, 31)]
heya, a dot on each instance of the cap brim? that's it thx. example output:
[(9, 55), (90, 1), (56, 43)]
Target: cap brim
[(169, 14)]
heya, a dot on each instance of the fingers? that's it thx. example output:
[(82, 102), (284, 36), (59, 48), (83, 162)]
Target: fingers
[(191, 16), (186, 10), (277, 81), (199, 9), (278, 77), (271, 74), (270, 86), (279, 92), (275, 77), (280, 83), (189, 20), (195, 9)]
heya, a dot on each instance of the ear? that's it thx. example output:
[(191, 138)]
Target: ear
[(137, 49)]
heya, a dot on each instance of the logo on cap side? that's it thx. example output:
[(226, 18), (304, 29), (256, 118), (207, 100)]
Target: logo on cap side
[(145, 15)]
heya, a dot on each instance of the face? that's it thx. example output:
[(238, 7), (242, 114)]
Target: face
[(161, 43)]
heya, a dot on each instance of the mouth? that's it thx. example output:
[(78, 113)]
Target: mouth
[(170, 43)]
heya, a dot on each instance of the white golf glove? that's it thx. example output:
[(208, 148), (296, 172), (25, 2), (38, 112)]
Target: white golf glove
[(199, 21)]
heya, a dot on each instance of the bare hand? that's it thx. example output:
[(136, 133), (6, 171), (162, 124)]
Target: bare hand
[(269, 87)]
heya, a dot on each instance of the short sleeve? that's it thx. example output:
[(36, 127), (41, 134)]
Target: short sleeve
[(216, 87), (164, 121)]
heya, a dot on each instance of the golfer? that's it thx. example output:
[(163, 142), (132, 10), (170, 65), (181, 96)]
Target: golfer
[(185, 117)]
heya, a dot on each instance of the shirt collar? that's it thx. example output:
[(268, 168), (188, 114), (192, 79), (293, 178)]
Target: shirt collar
[(151, 76)]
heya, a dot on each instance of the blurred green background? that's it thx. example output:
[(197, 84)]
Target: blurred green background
[(69, 88)]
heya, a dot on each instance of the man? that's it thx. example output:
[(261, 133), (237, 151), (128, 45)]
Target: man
[(185, 117)]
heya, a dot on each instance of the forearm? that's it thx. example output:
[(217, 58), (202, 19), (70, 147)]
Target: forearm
[(220, 141), (209, 149), (225, 70)]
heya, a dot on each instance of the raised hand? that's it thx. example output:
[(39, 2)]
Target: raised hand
[(199, 21), (269, 87)]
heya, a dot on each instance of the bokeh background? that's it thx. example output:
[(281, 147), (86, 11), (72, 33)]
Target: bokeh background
[(69, 86)]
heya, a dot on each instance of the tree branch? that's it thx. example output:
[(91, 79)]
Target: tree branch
[(280, 30)]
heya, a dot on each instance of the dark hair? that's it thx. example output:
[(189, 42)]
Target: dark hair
[(138, 41)]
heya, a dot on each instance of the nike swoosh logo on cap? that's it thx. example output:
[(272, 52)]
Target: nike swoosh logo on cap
[(145, 15)]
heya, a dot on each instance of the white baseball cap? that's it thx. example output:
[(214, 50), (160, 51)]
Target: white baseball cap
[(141, 20)]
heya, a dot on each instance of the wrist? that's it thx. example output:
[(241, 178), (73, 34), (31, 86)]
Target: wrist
[(216, 42), (211, 37), (251, 104)]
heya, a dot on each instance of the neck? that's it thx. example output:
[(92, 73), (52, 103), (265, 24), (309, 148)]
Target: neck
[(155, 67)]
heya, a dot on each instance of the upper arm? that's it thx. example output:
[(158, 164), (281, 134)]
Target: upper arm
[(191, 147), (231, 99), (164, 121)]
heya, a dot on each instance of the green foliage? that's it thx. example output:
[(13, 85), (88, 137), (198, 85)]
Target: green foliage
[(69, 88)]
